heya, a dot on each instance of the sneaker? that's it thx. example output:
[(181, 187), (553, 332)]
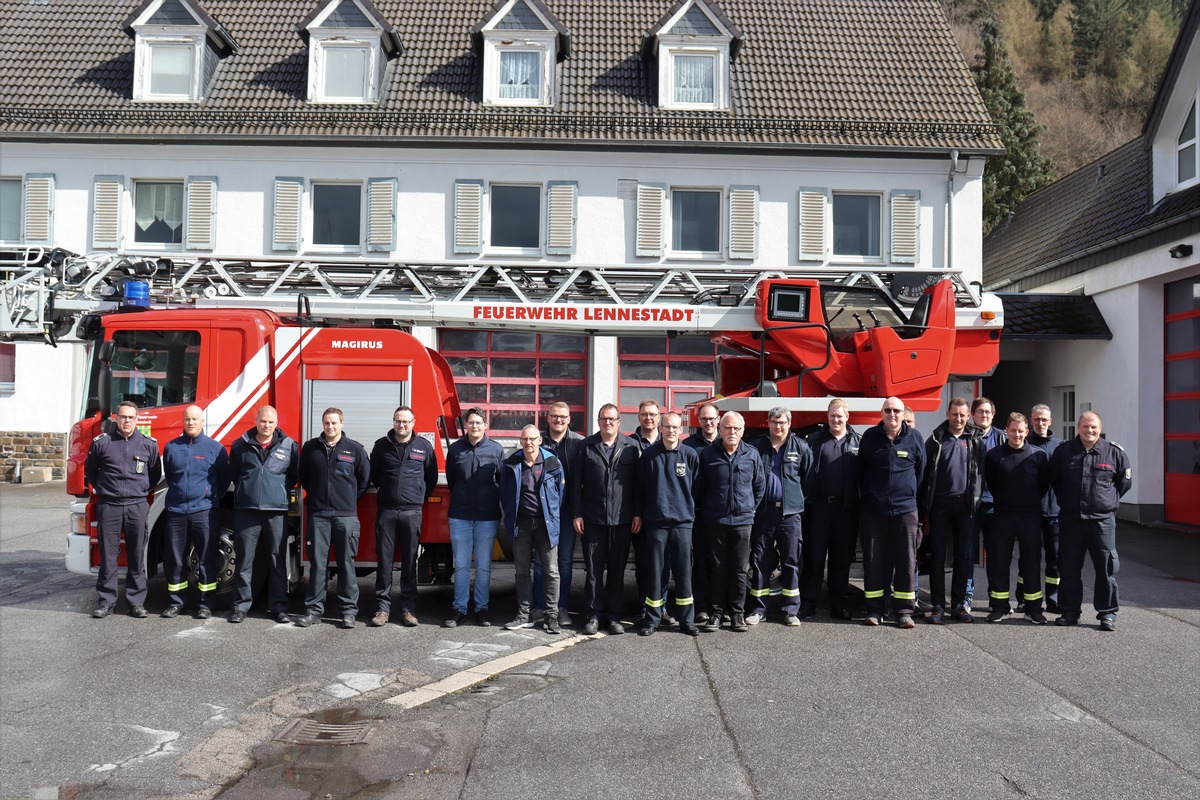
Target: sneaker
[(754, 619), (550, 624), (380, 619), (538, 615), (1035, 616), (348, 622), (738, 624), (962, 615), (791, 620), (998, 615), (454, 621), (872, 621), (564, 618), (905, 622), (712, 624), (592, 627), (937, 616), (1066, 620), (482, 619), (1108, 622), (517, 624)]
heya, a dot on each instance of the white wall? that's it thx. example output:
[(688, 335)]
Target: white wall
[(49, 382)]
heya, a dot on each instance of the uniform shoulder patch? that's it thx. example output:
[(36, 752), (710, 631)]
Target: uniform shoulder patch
[(1114, 444)]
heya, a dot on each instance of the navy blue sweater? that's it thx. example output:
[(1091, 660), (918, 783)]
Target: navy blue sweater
[(1018, 478), (197, 471), (889, 473), (333, 477), (405, 472), (732, 486), (666, 483), (471, 474)]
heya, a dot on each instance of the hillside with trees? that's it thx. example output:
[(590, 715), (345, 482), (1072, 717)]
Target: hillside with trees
[(1066, 80)]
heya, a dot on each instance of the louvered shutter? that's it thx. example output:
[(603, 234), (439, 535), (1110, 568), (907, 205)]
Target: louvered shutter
[(289, 197), (381, 214), (651, 214), (813, 236), (743, 222), (200, 227), (106, 212), (468, 216), (561, 212), (906, 226), (39, 210)]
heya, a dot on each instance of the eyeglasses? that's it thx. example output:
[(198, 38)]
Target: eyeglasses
[(730, 428), (779, 422), (404, 421), (607, 420), (126, 416), (526, 439), (708, 420), (648, 414), (559, 417), (893, 411)]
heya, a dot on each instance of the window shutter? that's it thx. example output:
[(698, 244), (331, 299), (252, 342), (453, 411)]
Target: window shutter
[(289, 194), (39, 210), (651, 214), (200, 227), (814, 244), (468, 216), (106, 212), (561, 211), (906, 226), (381, 214), (743, 222)]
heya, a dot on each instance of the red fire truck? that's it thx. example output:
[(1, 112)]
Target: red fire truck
[(231, 336)]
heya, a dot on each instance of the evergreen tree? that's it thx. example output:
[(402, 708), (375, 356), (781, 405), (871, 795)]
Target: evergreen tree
[(1022, 169)]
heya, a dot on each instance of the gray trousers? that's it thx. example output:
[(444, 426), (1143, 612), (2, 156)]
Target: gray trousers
[(531, 534)]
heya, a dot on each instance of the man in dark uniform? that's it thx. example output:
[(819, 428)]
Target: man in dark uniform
[(891, 462), (404, 468), (778, 536), (1089, 475), (1018, 476), (708, 415), (667, 508), (731, 488), (983, 411), (647, 434), (559, 439), (602, 499), (1040, 435), (831, 497), (122, 467), (265, 463), (335, 472), (197, 471)]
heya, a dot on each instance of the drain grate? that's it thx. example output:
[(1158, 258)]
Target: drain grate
[(309, 731)]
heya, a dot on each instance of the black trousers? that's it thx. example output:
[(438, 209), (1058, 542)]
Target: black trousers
[(1003, 531), (890, 549), (728, 567), (605, 553), (199, 530), (700, 571), (662, 546), (775, 540), (113, 520), (950, 527), (342, 534), (255, 529), (831, 533), (1096, 538), (396, 529), (1050, 536)]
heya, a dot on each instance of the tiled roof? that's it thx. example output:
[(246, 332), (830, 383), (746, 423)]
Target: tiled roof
[(812, 73)]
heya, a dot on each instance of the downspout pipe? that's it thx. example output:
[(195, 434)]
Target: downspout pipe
[(950, 209)]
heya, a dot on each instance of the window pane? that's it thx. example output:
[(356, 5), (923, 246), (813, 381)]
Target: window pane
[(1183, 416), (10, 210), (1183, 457), (514, 368), (511, 421), (1183, 296), (345, 73), (562, 370), (514, 342), (158, 212), (643, 370), (691, 346), (1189, 126), (337, 214), (464, 340), (642, 346), (471, 393), (694, 79), (467, 367), (856, 225), (571, 395), (520, 75), (513, 393), (695, 221), (1187, 163), (683, 398), (631, 396), (1183, 335), (155, 368), (563, 343), (692, 371), (516, 216), (171, 69), (1183, 376)]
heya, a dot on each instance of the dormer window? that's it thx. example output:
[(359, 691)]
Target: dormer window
[(694, 46), (1186, 149), (520, 42), (349, 45), (176, 52)]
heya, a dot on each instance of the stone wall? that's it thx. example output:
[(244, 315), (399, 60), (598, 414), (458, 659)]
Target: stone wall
[(32, 449)]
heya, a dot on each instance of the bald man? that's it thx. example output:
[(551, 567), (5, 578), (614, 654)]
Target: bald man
[(197, 472)]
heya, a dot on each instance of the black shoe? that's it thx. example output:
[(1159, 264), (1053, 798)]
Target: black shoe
[(1108, 622), (348, 622), (667, 619), (840, 613), (1067, 619), (308, 619), (1052, 607), (1035, 616), (690, 630), (101, 611), (998, 614), (171, 611), (237, 616), (203, 612), (280, 616), (615, 628), (550, 624), (808, 613), (454, 620), (564, 618), (138, 612), (701, 617), (482, 619), (738, 624), (647, 630), (592, 626)]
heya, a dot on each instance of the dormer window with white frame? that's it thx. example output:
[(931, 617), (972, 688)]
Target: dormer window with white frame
[(694, 47), (1187, 150), (521, 42), (349, 45), (176, 52)]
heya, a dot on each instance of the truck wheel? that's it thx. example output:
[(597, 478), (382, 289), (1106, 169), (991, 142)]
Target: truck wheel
[(226, 566)]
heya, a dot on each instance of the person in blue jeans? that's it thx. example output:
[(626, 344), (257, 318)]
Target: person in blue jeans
[(471, 465), (558, 438)]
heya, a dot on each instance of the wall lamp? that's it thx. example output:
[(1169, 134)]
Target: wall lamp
[(1180, 251)]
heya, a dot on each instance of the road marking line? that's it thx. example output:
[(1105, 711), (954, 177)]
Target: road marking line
[(480, 673)]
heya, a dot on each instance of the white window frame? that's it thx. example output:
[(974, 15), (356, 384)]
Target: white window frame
[(540, 214), (151, 36), (1194, 143), (19, 205), (722, 217), (669, 51), (321, 41), (163, 246), (1067, 402), (881, 233), (496, 43), (309, 244)]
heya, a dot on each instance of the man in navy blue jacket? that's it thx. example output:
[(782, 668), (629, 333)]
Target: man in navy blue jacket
[(831, 497), (197, 471), (404, 468), (1041, 435), (891, 462), (335, 472)]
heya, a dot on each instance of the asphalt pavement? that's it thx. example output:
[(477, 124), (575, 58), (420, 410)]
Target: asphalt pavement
[(182, 708)]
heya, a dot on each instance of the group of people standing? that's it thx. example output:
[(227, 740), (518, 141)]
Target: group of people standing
[(711, 513)]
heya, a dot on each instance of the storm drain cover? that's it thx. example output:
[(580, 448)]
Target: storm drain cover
[(310, 731)]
